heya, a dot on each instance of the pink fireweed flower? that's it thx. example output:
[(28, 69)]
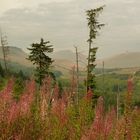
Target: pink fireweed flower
[(46, 96), (102, 126), (22, 107), (58, 109), (97, 126), (47, 85), (13, 112), (108, 123), (6, 94), (6, 99), (27, 98), (56, 92)]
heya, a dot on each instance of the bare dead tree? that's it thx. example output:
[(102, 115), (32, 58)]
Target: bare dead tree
[(5, 49)]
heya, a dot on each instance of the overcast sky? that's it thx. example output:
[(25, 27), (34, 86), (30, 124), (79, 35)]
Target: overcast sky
[(64, 24)]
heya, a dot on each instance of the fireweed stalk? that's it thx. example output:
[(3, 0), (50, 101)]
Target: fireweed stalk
[(6, 99), (22, 107), (101, 127)]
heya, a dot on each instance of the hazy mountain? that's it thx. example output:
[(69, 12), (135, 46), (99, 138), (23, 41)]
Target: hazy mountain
[(64, 55), (16, 55), (64, 58), (67, 59), (124, 60)]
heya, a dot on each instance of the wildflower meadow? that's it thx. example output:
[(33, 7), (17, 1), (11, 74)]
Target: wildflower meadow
[(46, 114)]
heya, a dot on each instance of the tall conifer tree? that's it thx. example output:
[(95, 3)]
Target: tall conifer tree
[(94, 27), (40, 59)]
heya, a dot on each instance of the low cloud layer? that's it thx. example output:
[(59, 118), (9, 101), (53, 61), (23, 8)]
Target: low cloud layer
[(64, 24)]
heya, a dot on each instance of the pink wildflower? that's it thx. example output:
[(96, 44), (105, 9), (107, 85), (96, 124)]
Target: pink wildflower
[(22, 107)]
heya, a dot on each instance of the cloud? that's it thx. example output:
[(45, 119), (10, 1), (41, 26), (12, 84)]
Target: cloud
[(64, 24)]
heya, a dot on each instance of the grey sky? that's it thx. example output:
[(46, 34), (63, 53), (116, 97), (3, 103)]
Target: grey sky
[(63, 22)]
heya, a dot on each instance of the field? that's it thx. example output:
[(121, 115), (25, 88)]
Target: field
[(49, 113)]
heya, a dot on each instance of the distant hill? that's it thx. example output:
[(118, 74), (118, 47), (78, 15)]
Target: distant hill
[(67, 59), (63, 60), (16, 55), (125, 60), (64, 55)]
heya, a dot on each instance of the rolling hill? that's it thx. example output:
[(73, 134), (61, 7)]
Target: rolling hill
[(66, 59), (16, 55), (124, 60)]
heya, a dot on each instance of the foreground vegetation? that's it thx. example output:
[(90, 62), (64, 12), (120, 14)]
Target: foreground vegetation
[(52, 114)]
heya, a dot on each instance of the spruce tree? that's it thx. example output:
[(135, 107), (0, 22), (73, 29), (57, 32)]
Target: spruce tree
[(94, 27), (40, 59)]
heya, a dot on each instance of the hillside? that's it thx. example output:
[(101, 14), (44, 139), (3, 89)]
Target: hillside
[(17, 55), (125, 60), (66, 59)]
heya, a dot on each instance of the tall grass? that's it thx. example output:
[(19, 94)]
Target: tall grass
[(47, 114)]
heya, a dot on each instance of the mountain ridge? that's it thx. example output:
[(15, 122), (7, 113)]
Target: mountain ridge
[(67, 58), (123, 60)]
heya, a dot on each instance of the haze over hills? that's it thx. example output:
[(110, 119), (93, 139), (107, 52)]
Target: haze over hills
[(124, 60), (16, 55), (67, 58), (64, 58)]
